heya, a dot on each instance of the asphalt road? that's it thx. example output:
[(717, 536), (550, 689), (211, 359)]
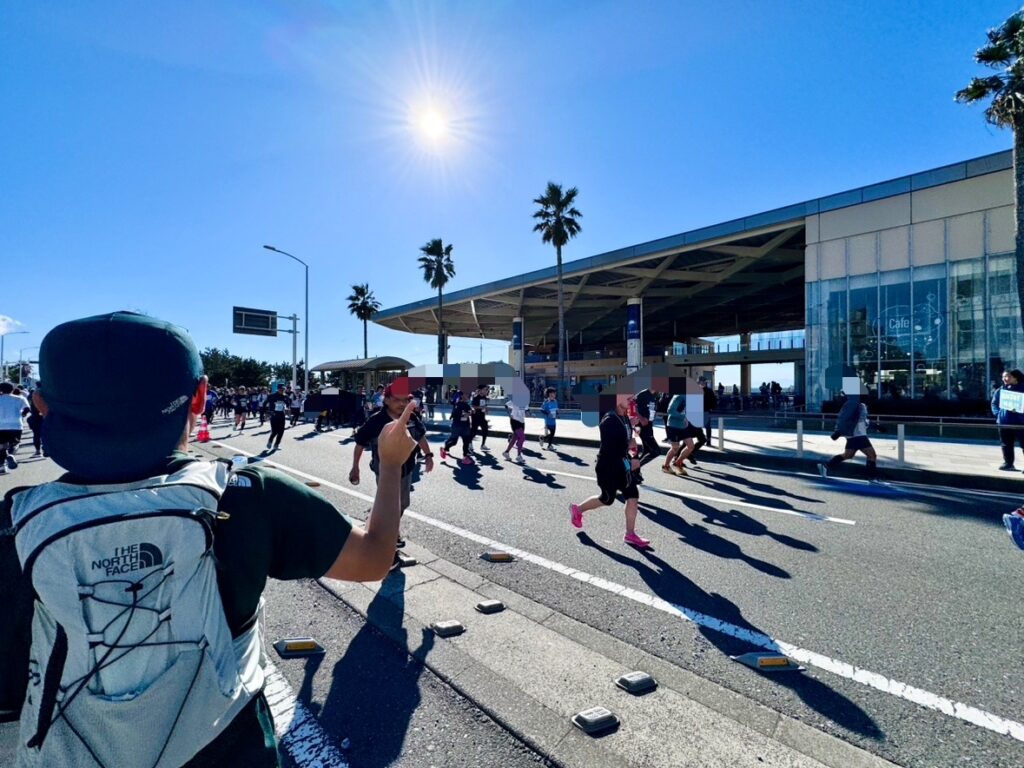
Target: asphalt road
[(902, 587)]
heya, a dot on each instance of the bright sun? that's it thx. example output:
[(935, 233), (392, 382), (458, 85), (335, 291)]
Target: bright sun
[(432, 124)]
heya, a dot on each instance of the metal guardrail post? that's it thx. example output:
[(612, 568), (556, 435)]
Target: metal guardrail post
[(799, 438), (900, 437), (721, 433)]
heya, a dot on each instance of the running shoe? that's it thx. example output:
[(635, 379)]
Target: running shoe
[(1008, 468), (520, 458), (401, 542), (11, 463), (466, 460), (576, 515), (680, 470), (822, 470), (507, 457), (635, 541), (37, 454), (1014, 523), (691, 460), (444, 453), (667, 470)]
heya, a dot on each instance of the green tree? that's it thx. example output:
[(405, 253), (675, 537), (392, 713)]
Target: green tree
[(364, 305), (438, 268), (557, 224), (1005, 91)]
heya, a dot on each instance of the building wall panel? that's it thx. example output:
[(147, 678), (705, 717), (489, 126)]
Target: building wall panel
[(1000, 229), (965, 236), (862, 253), (832, 262), (991, 191), (894, 248), (928, 243), (864, 218)]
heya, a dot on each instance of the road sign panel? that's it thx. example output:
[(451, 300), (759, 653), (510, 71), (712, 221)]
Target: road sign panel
[(256, 322)]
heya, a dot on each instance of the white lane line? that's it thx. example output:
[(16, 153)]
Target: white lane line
[(843, 669), (297, 728), (721, 500)]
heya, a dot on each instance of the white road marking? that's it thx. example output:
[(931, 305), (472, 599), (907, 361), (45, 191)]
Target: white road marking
[(924, 698), (297, 728), (721, 500)]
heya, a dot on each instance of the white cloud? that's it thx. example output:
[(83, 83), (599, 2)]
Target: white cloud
[(8, 324)]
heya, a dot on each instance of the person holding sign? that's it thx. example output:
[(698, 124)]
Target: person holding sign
[(1008, 408)]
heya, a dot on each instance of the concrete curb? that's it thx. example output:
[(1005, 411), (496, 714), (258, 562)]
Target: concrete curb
[(546, 731), (852, 469)]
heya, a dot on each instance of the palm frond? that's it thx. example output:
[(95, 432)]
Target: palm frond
[(994, 54)]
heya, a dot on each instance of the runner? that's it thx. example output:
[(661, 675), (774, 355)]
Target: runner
[(277, 405), (12, 408), (675, 424), (517, 423), (646, 400), (241, 405), (852, 423), (298, 405), (367, 436), (616, 473), (550, 408), (460, 429), (431, 401), (478, 422)]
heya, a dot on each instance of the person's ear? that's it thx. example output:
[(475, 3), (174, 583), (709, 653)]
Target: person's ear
[(199, 398)]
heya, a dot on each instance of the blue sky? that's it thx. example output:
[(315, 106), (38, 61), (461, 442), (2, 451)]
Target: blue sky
[(150, 150)]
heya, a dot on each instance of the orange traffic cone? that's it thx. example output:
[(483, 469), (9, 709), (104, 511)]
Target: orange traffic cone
[(204, 432)]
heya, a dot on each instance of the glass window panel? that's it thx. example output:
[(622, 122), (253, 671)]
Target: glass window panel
[(895, 325), (864, 329), (929, 332), (1005, 340), (967, 330)]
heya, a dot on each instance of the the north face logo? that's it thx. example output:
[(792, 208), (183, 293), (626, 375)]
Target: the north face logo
[(134, 557)]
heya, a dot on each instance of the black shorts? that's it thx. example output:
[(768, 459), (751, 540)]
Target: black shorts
[(241, 411), (10, 436), (614, 481), (858, 443), (692, 431)]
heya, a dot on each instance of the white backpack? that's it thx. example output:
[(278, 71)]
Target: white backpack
[(132, 662)]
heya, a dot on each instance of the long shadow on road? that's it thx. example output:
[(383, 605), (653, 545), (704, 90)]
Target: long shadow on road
[(722, 623), (375, 685), (701, 538), (766, 488)]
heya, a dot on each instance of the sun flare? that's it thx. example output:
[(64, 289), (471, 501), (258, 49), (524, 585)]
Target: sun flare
[(432, 124)]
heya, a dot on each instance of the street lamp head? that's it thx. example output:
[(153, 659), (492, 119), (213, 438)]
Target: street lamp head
[(270, 247)]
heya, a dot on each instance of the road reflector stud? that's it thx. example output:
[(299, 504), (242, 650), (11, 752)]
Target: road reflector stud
[(447, 628), (497, 556), (406, 561), (297, 647), (312, 483), (595, 720), (490, 606), (637, 682), (767, 661)]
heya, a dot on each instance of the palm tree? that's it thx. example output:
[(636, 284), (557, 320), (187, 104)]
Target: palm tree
[(1005, 52), (557, 224), (438, 268), (364, 305)]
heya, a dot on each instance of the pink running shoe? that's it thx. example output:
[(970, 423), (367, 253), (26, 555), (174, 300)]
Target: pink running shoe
[(577, 515), (444, 453), (633, 540), (466, 460)]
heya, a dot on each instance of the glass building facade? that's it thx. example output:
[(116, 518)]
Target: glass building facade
[(940, 331)]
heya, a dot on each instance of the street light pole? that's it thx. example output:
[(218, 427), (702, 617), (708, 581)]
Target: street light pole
[(304, 264), (3, 361)]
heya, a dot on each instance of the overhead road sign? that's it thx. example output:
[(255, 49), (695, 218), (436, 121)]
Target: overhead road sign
[(256, 322)]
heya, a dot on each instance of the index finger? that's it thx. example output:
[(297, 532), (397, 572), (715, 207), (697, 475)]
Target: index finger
[(406, 413)]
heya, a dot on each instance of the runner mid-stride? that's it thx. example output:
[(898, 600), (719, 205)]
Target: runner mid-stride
[(616, 472), (852, 423)]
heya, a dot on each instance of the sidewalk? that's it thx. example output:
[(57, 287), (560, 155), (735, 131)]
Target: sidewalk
[(557, 666), (965, 464)]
